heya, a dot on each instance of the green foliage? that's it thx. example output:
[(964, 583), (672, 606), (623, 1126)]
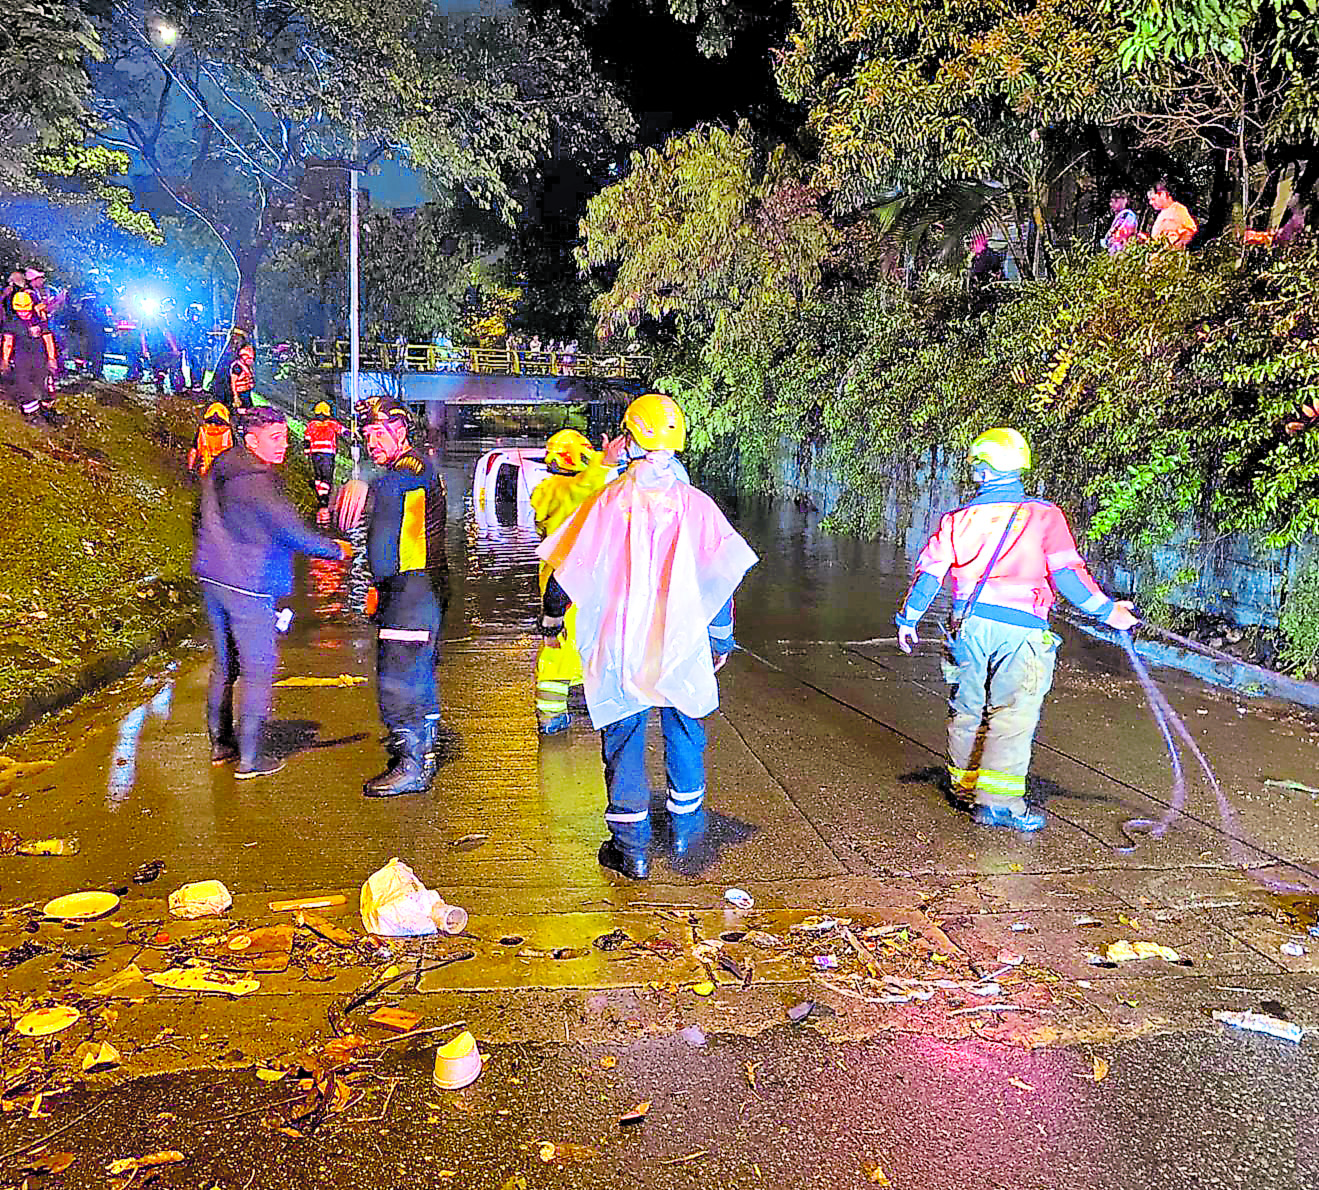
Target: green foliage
[(1299, 623), (44, 49), (81, 173)]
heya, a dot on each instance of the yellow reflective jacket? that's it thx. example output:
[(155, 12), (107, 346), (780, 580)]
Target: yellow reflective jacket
[(557, 497)]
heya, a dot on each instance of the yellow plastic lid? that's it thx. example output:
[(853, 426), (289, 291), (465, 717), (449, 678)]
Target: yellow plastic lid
[(42, 1022), (82, 906)]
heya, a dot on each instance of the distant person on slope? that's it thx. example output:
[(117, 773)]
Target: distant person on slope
[(1175, 226)]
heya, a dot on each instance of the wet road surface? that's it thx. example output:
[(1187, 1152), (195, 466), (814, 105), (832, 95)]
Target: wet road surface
[(821, 761)]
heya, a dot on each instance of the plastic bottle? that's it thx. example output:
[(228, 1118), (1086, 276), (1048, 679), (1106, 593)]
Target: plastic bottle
[(1257, 1022)]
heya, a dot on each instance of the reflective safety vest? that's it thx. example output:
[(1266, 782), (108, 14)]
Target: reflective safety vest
[(322, 435), (213, 439)]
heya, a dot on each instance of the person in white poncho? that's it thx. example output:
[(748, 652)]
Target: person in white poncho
[(651, 564)]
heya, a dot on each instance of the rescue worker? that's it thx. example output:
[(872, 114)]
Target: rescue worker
[(247, 534), (575, 472), (405, 549), (322, 438), (192, 340), (651, 564), (1006, 553), (161, 348), (29, 359), (214, 436)]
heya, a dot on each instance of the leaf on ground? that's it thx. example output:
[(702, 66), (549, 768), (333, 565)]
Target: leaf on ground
[(567, 1153), (1020, 1084), (45, 1164), (150, 1161), (637, 1114), (470, 842), (875, 1173), (608, 1062), (751, 1069), (1101, 1069)]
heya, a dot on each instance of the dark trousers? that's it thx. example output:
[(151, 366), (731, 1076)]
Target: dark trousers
[(410, 618), (623, 747), (322, 476), (243, 634), (28, 381), (196, 357)]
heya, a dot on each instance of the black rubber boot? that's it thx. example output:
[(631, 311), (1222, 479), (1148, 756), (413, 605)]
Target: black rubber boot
[(224, 750), (409, 771), (635, 865)]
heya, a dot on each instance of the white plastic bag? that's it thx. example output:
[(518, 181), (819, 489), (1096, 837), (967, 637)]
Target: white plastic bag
[(205, 898), (395, 904)]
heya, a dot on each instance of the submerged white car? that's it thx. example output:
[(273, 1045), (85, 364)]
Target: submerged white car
[(507, 476)]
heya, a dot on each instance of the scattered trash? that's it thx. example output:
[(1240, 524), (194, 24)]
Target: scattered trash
[(149, 871), (566, 1154), (608, 1062), (457, 1063), (101, 1057), (763, 941), (267, 1075), (1022, 927), (1293, 950), (739, 899), (1020, 1084), (1087, 921), (470, 842), (1257, 1022), (799, 1012), (1007, 959), (326, 902), (815, 925), (826, 962), (341, 680), (266, 950), (693, 1035), (203, 898), (705, 988), (325, 929), (395, 1019), (48, 847), (636, 1115), (17, 955), (81, 906), (130, 975), (614, 940), (202, 979), (1123, 951), (396, 904), (1294, 786), (46, 1022)]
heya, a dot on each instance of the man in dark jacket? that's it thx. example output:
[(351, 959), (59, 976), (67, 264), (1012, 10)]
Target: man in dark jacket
[(246, 538)]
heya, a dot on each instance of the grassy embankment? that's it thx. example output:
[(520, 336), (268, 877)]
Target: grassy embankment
[(96, 541)]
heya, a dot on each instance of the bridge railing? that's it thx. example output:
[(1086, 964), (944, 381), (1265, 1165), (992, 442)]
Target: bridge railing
[(332, 355)]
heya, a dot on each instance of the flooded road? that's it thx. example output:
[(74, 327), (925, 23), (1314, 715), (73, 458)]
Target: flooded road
[(823, 807)]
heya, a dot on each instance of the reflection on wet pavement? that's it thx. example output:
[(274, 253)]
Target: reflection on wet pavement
[(123, 757)]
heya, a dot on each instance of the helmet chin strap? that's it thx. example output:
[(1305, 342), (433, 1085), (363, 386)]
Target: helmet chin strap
[(987, 477)]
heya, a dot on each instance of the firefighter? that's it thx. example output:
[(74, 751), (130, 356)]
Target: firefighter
[(1007, 554), (405, 549), (575, 472), (651, 564), (29, 359), (214, 436), (322, 437)]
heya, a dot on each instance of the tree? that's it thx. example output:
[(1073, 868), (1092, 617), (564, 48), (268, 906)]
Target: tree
[(44, 49), (713, 232), (230, 104), (907, 96)]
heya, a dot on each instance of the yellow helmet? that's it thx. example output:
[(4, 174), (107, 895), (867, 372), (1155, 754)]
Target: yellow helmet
[(321, 409), (1002, 448), (22, 302), (216, 411), (568, 450), (656, 422)]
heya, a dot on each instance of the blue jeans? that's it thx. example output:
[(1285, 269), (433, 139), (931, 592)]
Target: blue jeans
[(243, 633), (623, 745)]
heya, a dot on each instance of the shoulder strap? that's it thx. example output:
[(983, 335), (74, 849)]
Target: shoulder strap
[(984, 578)]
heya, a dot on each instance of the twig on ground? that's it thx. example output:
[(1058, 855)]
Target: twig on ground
[(41, 1140)]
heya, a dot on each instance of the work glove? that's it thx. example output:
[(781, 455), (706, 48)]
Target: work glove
[(906, 638), (550, 628), (346, 550), (1123, 616)]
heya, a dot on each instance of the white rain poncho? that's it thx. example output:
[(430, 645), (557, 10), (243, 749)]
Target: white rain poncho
[(649, 562)]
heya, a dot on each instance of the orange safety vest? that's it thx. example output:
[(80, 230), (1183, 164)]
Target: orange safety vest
[(212, 441)]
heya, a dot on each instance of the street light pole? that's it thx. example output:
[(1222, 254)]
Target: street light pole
[(354, 315)]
